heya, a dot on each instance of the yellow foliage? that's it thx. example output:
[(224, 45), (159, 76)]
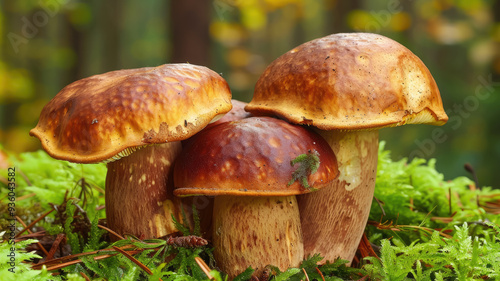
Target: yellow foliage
[(278, 4), (15, 84), (17, 139), (428, 9), (238, 57), (229, 34), (358, 19), (375, 21), (80, 14), (470, 6), (253, 18), (400, 21)]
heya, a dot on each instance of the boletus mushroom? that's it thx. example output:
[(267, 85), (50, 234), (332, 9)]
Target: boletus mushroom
[(254, 167), (204, 204), (347, 86), (134, 120)]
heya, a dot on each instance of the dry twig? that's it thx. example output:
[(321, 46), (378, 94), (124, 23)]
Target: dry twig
[(33, 222), (30, 232)]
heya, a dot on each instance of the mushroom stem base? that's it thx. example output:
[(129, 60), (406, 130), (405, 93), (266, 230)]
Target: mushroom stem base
[(334, 218), (139, 198), (256, 231)]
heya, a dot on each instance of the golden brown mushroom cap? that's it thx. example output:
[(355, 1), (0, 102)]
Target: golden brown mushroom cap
[(349, 81), (96, 118), (251, 157)]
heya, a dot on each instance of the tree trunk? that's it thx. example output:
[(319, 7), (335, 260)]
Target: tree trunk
[(190, 20)]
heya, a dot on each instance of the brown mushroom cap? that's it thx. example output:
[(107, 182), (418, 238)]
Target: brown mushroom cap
[(96, 118), (251, 157), (349, 81), (237, 112)]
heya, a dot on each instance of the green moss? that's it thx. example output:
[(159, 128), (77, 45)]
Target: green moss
[(308, 165), (415, 203)]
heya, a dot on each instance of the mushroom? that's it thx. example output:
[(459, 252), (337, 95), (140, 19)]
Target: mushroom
[(247, 165), (134, 120), (206, 203), (347, 86)]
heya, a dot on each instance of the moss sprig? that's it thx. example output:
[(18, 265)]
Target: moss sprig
[(308, 165)]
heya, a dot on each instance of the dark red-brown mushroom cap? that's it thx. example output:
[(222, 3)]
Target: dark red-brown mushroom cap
[(105, 116), (251, 157)]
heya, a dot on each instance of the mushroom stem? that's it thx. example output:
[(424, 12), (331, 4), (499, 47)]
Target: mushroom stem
[(139, 198), (256, 231), (334, 218)]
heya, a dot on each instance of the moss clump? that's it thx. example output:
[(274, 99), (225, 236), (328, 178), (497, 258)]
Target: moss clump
[(308, 165)]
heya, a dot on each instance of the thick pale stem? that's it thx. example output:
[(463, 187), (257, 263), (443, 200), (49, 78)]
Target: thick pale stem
[(256, 231), (334, 218), (139, 198)]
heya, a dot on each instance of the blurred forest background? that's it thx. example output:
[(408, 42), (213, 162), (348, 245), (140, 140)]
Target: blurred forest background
[(47, 44)]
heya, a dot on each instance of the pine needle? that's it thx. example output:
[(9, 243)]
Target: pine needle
[(30, 232), (34, 222), (111, 231), (305, 273), (320, 274), (204, 267), (134, 260)]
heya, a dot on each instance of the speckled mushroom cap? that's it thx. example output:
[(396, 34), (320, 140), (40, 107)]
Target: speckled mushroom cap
[(251, 157), (107, 115), (349, 81)]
